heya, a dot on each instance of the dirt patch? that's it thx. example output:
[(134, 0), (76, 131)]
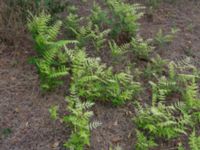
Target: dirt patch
[(116, 129), (23, 107)]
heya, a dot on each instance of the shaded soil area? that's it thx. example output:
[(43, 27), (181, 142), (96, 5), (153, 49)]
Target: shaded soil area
[(24, 118)]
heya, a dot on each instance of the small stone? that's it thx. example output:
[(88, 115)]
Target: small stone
[(17, 110), (116, 139), (27, 124), (55, 145), (115, 123)]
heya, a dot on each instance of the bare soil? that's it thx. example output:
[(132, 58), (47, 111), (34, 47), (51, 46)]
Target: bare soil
[(24, 118)]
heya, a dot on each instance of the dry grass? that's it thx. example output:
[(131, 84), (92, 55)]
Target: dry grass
[(13, 16), (12, 22)]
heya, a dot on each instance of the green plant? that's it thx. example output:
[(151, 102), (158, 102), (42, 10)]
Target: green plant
[(99, 16), (159, 121), (180, 146), (72, 24), (156, 3), (51, 59), (153, 3), (162, 89), (90, 33), (170, 121), (53, 112), (194, 141), (53, 6), (176, 82), (161, 39), (84, 1), (72, 9), (155, 67), (78, 119), (83, 34), (115, 148), (99, 38), (6, 132), (140, 47), (94, 81), (182, 73), (124, 21), (190, 27), (137, 45), (80, 122), (124, 18), (172, 71), (116, 50), (190, 97), (143, 143)]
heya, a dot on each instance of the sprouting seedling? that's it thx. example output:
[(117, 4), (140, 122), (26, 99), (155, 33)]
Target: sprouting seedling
[(161, 39), (53, 112), (116, 50)]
